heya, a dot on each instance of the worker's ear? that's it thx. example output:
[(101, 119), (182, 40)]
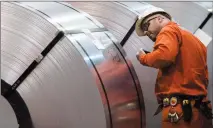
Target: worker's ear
[(160, 19)]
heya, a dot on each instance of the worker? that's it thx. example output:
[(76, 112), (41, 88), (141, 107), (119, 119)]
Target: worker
[(181, 85)]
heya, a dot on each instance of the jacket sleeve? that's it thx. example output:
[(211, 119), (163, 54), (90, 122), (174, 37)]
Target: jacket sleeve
[(165, 50)]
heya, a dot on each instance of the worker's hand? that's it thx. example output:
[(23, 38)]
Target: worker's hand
[(139, 53)]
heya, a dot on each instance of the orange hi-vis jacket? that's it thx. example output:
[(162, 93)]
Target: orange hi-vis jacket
[(182, 62)]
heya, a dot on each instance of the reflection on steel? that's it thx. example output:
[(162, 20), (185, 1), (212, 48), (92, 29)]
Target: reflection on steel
[(116, 79), (85, 81)]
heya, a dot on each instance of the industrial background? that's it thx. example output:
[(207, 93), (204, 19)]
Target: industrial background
[(73, 64)]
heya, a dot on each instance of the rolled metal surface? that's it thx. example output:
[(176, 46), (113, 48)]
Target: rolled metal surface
[(7, 116), (84, 81)]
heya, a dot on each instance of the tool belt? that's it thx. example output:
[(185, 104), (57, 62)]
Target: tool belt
[(186, 105)]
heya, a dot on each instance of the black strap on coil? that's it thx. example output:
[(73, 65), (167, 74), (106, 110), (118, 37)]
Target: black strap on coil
[(33, 65), (205, 21), (129, 33)]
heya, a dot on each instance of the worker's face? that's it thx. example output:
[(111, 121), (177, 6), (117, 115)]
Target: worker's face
[(151, 27)]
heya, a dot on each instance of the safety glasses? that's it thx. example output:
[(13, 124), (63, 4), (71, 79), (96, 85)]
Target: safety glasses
[(145, 26)]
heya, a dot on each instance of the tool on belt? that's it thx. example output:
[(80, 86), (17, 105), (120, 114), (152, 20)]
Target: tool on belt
[(186, 105), (187, 110), (172, 115), (204, 109)]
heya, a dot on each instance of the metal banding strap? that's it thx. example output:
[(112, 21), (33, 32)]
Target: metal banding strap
[(129, 33), (33, 65), (95, 40), (89, 32), (19, 107), (82, 30)]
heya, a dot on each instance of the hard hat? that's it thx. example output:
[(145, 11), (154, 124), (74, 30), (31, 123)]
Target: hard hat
[(148, 12)]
